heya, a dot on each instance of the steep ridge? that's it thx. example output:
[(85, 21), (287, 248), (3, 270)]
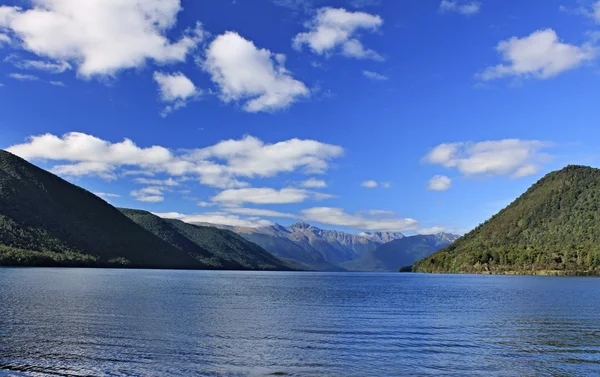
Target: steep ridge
[(47, 221), (553, 228), (217, 248)]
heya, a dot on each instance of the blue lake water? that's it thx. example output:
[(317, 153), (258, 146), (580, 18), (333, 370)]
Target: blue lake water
[(95, 322)]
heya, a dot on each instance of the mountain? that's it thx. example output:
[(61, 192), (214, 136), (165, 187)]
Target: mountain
[(47, 221), (318, 248), (553, 228), (390, 256), (217, 248)]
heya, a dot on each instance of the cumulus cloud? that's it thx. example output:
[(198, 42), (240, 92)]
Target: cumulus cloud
[(175, 89), (41, 65), (106, 195), (432, 230), (101, 37), (439, 183), (540, 55), (149, 194), (23, 77), (375, 76), (264, 196), (370, 184), (259, 212), (100, 169), (464, 8), (514, 157), (337, 217), (246, 73), (170, 182), (217, 218), (592, 11), (220, 165), (336, 30), (4, 39), (374, 184), (313, 183)]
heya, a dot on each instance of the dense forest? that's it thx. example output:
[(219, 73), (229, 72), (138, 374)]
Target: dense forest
[(47, 221), (554, 228)]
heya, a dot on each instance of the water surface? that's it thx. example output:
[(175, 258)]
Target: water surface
[(98, 322)]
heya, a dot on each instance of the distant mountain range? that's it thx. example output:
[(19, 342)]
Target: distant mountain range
[(330, 250), (47, 221), (552, 229), (400, 253)]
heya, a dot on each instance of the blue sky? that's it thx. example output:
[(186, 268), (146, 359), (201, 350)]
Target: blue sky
[(409, 115)]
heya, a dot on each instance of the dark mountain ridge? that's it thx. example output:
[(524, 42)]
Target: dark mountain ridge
[(47, 221)]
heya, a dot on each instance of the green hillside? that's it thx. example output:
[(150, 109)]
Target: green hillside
[(218, 248), (554, 228), (46, 221), (392, 255)]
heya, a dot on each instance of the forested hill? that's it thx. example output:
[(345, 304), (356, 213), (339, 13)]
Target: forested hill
[(47, 221), (554, 228), (217, 248)]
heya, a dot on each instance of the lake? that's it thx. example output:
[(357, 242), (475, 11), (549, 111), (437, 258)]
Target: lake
[(100, 322)]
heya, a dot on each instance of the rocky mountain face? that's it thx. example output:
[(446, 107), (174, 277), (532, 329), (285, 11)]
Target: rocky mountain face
[(318, 248)]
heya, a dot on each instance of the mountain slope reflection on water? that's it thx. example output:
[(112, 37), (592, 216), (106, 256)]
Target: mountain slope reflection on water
[(97, 322)]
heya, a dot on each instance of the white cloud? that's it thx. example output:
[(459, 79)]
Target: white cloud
[(41, 65), (314, 183), (514, 157), (375, 76), (380, 212), (101, 37), (465, 8), (386, 185), (259, 212), (432, 230), (439, 183), (57, 83), (100, 169), (337, 217), (337, 30), (262, 196), (149, 194), (206, 204), (4, 39), (170, 182), (23, 77), (541, 55), (592, 11), (176, 89), (369, 184), (106, 195), (219, 165), (217, 218), (244, 72)]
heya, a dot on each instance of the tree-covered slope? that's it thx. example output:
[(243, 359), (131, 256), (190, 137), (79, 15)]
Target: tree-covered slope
[(554, 228), (47, 221), (392, 255), (217, 248)]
